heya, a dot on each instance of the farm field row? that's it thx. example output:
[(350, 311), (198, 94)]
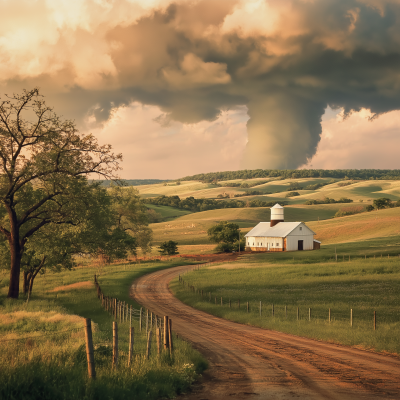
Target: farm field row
[(42, 342), (362, 285)]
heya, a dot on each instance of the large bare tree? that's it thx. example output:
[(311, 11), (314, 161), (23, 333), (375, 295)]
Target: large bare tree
[(43, 159)]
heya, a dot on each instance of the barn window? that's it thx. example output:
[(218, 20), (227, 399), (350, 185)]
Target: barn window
[(253, 243), (277, 244), (301, 228), (272, 244), (261, 244)]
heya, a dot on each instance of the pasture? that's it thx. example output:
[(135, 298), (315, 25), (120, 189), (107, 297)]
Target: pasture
[(307, 283)]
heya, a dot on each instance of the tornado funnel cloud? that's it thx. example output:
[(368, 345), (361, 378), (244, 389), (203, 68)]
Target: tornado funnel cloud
[(283, 131)]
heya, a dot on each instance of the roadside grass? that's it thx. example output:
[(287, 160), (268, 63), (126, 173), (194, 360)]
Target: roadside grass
[(362, 285), (43, 347)]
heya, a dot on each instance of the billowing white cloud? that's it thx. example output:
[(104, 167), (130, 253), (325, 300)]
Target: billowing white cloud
[(156, 147)]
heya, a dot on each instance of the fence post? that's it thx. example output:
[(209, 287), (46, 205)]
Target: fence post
[(158, 333), (115, 344), (273, 311), (147, 321), (171, 345), (374, 320), (148, 345), (89, 348), (247, 306), (260, 308), (131, 338), (329, 315), (130, 317), (351, 317), (140, 319), (151, 320), (166, 342)]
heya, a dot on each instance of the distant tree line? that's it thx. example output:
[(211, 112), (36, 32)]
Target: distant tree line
[(194, 205), (130, 182), (328, 200), (356, 174)]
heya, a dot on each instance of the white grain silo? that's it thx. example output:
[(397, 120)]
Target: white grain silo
[(277, 214)]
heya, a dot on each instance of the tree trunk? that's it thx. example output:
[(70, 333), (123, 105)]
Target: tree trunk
[(27, 275), (16, 254)]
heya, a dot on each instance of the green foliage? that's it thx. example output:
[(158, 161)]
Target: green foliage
[(383, 202), (195, 205), (369, 207), (292, 194), (296, 174), (224, 232), (169, 248), (327, 200), (132, 215)]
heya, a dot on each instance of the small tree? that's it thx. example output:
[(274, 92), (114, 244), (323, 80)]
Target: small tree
[(382, 203), (369, 208), (225, 234), (168, 248)]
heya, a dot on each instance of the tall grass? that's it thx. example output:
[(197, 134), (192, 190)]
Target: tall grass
[(364, 286), (42, 343)]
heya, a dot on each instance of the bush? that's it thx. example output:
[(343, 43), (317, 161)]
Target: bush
[(369, 208), (168, 248), (292, 194), (224, 248)]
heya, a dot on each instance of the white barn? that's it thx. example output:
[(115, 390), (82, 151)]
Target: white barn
[(278, 235)]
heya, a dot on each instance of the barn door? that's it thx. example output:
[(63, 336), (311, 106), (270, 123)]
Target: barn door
[(300, 245)]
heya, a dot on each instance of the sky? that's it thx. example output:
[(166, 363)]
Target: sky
[(190, 86)]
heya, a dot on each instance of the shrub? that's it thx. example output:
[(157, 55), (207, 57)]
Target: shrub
[(292, 194)]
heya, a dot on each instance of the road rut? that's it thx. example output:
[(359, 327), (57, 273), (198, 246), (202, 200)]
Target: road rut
[(253, 363)]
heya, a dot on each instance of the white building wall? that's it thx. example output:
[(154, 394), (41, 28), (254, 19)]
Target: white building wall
[(264, 242), (292, 241)]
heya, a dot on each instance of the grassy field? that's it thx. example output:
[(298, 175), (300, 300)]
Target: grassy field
[(42, 343), (191, 229), (365, 191), (306, 281), (168, 213)]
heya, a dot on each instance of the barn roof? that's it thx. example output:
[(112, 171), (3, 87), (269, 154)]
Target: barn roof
[(282, 229)]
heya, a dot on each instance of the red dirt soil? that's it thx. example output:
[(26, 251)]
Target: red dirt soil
[(253, 363)]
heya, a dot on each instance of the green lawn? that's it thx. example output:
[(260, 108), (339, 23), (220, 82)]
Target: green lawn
[(37, 365), (308, 282)]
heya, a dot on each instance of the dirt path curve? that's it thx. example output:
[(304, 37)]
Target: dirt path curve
[(254, 363)]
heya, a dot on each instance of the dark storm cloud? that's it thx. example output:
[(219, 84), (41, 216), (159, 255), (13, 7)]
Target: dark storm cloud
[(285, 60)]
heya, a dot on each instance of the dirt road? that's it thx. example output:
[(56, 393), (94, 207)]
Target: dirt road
[(254, 363)]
